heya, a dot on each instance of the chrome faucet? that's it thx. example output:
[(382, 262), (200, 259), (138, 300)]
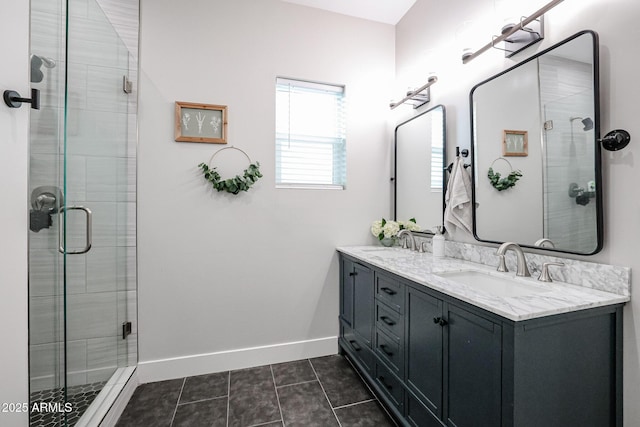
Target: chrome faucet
[(522, 271), (406, 234), (543, 241)]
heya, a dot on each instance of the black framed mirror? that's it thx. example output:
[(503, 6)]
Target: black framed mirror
[(419, 175), (540, 118)]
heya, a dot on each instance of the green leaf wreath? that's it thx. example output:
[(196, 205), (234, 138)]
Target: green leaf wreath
[(503, 183), (232, 185)]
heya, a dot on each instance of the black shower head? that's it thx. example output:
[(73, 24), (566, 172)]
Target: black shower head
[(36, 67), (36, 72), (588, 123)]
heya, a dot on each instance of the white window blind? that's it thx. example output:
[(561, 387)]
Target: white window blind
[(310, 135), (437, 152)]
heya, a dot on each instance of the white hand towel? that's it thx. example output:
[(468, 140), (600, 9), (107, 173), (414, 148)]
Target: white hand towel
[(458, 198)]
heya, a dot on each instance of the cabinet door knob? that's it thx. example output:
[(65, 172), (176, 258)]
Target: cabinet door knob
[(353, 273), (440, 321)]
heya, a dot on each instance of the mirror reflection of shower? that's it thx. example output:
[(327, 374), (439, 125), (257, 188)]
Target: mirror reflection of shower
[(587, 122), (37, 62)]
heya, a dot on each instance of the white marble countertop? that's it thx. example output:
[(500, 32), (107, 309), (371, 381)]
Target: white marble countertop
[(422, 268)]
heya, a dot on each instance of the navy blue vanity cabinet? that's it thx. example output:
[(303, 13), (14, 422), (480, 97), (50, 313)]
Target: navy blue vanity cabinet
[(454, 362), (436, 361), (389, 341), (356, 311)]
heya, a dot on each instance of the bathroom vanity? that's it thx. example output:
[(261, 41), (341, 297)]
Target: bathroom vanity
[(440, 352)]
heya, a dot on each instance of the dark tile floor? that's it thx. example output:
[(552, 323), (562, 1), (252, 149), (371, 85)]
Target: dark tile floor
[(324, 391)]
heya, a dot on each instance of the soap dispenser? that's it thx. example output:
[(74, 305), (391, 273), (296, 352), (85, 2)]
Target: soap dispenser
[(438, 242)]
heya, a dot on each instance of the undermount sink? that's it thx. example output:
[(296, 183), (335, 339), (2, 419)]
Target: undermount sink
[(387, 252), (493, 284)]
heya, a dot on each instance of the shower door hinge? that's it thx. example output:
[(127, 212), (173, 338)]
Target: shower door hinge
[(548, 125), (126, 330), (127, 85)]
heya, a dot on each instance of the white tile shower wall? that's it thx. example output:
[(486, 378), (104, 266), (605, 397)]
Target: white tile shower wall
[(101, 174), (567, 223)]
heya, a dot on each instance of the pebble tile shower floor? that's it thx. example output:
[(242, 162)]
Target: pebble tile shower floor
[(324, 391), (79, 396)]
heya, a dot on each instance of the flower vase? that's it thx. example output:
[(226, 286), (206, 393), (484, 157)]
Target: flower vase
[(388, 241)]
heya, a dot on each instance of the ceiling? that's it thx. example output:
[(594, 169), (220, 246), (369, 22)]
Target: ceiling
[(386, 11)]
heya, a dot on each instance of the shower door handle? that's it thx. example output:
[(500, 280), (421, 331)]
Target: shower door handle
[(88, 234)]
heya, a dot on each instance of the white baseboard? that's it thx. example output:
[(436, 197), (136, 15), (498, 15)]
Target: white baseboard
[(199, 364)]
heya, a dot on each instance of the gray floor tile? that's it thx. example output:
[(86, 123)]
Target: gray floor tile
[(205, 387), (293, 372), (205, 413), (342, 385), (367, 414), (152, 404), (305, 405), (252, 397), (252, 407), (252, 378)]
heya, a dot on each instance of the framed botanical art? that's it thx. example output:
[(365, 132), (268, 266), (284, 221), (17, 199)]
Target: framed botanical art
[(201, 123), (514, 143)]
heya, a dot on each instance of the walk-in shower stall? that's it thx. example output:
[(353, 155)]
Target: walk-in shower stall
[(82, 237)]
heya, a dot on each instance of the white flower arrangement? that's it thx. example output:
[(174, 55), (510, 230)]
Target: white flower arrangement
[(384, 229)]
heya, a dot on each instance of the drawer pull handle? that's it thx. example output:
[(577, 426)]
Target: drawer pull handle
[(388, 321), (355, 345), (440, 321), (353, 273), (387, 386), (383, 347), (388, 291)]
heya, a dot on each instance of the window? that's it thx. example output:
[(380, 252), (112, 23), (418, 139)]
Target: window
[(437, 151), (310, 135)]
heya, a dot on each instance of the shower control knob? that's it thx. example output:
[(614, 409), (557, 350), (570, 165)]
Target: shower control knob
[(13, 99)]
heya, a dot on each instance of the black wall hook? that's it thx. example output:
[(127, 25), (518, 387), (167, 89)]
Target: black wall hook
[(13, 99), (616, 140)]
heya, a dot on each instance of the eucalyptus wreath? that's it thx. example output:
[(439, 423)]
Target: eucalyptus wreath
[(503, 183), (232, 185)]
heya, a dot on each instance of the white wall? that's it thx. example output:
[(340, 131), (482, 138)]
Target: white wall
[(217, 272), (14, 74), (494, 107), (430, 38)]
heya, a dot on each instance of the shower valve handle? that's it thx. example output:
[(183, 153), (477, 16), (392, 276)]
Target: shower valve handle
[(14, 100)]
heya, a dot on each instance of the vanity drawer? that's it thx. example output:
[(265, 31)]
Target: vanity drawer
[(358, 350), (391, 386), (390, 291), (389, 320), (390, 351)]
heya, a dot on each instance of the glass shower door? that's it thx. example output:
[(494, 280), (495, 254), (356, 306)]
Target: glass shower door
[(82, 248)]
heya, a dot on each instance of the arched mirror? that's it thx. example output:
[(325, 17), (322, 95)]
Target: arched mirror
[(419, 168), (540, 118)]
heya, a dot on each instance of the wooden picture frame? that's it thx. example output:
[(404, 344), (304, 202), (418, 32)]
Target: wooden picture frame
[(201, 123), (515, 143)]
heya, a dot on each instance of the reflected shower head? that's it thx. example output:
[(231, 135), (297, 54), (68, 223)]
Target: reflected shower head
[(587, 122), (36, 67)]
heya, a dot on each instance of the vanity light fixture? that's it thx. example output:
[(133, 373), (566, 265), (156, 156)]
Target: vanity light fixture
[(417, 97), (528, 31)]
